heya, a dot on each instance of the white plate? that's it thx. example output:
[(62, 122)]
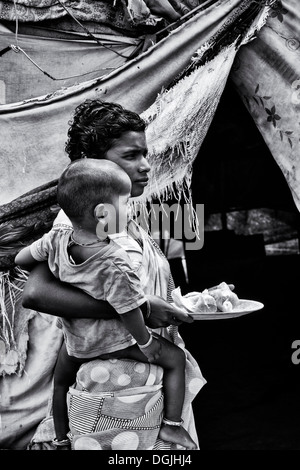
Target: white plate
[(243, 308)]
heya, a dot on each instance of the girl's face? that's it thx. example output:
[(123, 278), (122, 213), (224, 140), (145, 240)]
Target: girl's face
[(129, 152)]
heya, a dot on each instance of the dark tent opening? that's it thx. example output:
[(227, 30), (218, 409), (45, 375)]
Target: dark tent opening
[(251, 399)]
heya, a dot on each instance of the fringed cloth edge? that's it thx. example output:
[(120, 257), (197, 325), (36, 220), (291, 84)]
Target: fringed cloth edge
[(189, 104), (14, 322)]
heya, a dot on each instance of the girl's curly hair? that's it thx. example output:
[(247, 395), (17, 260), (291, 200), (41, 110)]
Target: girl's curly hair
[(95, 125)]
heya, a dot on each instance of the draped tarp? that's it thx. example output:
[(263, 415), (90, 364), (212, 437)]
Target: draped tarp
[(36, 65), (33, 132), (266, 74), (178, 120), (47, 45), (105, 11)]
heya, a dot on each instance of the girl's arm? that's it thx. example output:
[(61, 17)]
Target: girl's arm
[(45, 293)]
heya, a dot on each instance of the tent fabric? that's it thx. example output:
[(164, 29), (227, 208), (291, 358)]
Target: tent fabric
[(127, 15), (42, 65), (178, 121), (25, 398), (35, 130), (172, 141), (41, 10), (267, 76), (34, 65)]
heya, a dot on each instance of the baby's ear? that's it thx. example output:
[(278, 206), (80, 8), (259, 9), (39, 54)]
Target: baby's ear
[(100, 212)]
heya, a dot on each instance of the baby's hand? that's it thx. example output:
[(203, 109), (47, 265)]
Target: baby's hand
[(153, 351)]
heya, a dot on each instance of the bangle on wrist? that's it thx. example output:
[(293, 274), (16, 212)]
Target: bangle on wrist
[(61, 443), (172, 423), (142, 346)]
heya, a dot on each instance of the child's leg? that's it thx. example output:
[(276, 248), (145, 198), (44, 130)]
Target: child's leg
[(64, 376), (173, 361)]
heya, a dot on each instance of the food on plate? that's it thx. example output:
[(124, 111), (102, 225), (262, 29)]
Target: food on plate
[(194, 302), (215, 299), (226, 300)]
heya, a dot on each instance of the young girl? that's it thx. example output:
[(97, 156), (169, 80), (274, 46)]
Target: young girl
[(102, 129)]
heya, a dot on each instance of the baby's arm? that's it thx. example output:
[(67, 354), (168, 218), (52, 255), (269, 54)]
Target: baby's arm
[(37, 252), (25, 259), (134, 322)]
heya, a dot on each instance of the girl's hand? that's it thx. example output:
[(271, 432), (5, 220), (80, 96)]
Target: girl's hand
[(163, 314)]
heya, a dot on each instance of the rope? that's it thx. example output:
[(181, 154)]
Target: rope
[(90, 34), (16, 48), (19, 49)]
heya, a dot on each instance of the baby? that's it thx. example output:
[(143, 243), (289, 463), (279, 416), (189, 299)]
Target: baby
[(94, 194)]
